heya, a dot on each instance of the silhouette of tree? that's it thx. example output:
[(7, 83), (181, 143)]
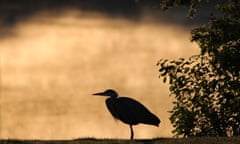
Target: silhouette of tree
[(206, 87)]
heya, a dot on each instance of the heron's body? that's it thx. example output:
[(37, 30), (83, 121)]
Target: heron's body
[(128, 110)]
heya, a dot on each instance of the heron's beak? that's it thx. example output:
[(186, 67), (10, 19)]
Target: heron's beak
[(99, 94)]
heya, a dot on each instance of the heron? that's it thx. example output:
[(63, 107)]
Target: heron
[(128, 110)]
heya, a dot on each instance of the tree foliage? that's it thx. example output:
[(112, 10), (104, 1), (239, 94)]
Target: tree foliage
[(191, 4), (206, 87)]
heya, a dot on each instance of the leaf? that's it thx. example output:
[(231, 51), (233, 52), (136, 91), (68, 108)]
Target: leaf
[(164, 79)]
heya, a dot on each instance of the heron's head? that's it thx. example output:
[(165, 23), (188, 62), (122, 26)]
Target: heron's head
[(108, 92)]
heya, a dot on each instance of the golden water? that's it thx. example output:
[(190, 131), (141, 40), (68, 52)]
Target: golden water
[(51, 65)]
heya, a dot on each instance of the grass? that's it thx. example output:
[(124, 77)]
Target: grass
[(195, 140)]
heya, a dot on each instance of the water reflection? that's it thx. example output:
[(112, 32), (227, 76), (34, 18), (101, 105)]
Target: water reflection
[(52, 65)]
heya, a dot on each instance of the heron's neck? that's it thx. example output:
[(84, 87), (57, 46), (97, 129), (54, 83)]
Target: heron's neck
[(114, 96), (111, 99)]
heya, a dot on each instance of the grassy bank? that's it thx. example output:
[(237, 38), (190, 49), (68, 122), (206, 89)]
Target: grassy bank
[(197, 140)]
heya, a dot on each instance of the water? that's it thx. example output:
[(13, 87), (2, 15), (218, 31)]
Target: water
[(51, 65)]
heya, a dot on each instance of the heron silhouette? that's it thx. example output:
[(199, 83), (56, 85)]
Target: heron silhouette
[(128, 110)]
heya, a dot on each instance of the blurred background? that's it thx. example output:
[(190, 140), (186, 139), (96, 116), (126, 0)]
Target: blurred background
[(55, 54)]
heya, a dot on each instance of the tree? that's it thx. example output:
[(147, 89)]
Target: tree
[(207, 86)]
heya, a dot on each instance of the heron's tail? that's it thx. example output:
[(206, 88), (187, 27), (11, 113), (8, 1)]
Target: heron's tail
[(152, 120)]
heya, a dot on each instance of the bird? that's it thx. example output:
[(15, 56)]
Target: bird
[(128, 110)]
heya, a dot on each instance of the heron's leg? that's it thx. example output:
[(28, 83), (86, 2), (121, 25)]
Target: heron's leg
[(132, 134)]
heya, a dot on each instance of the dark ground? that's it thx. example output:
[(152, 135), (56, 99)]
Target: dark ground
[(196, 140)]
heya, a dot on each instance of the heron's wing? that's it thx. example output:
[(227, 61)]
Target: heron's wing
[(133, 112)]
